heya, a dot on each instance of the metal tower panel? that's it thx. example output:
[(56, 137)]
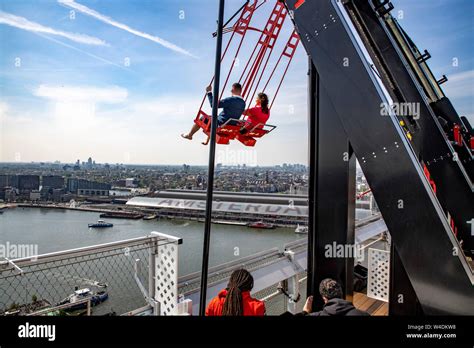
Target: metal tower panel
[(332, 178), (449, 166), (441, 279)]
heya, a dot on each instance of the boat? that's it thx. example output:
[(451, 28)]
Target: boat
[(231, 223), (122, 215), (63, 313), (301, 229), (261, 225), (150, 217), (101, 224), (96, 298), (28, 308)]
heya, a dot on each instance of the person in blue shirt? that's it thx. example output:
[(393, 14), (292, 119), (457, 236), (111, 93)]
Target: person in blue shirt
[(233, 108)]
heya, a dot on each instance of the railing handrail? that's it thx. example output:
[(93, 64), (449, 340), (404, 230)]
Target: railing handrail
[(297, 246), (34, 259), (224, 267), (63, 254)]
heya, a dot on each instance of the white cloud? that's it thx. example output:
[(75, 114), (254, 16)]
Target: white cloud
[(72, 126), (460, 85), (89, 94), (3, 109), (25, 24), (3, 116), (148, 130), (90, 12), (462, 76)]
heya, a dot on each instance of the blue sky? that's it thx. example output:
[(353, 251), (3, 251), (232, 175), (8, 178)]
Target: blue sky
[(74, 85)]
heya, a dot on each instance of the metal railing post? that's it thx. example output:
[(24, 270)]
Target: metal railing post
[(151, 273), (212, 155), (293, 285)]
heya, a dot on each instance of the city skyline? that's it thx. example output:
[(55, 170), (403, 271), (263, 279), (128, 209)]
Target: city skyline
[(108, 80), (152, 164)]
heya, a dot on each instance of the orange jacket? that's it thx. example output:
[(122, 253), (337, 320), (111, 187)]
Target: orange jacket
[(252, 307)]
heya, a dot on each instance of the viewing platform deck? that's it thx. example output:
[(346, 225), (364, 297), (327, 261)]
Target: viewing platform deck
[(372, 306)]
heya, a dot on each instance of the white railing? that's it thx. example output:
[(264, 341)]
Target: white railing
[(141, 276)]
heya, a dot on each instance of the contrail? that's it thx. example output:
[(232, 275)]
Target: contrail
[(90, 12), (25, 24), (82, 51)]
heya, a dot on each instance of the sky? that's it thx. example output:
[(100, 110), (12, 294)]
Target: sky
[(121, 80)]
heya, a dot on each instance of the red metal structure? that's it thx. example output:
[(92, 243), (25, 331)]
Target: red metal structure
[(253, 74)]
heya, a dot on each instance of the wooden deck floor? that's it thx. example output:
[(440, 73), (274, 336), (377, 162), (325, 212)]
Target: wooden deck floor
[(370, 305)]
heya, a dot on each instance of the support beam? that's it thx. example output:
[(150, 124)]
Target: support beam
[(355, 97), (402, 296), (332, 194)]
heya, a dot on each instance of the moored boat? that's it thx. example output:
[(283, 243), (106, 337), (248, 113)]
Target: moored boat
[(261, 225), (150, 217), (28, 308), (122, 215), (301, 229), (96, 298)]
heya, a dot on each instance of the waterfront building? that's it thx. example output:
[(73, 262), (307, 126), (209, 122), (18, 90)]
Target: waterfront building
[(8, 180), (35, 195), (282, 210), (27, 183), (87, 188), (53, 181)]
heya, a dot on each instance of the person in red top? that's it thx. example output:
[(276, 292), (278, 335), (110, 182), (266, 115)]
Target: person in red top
[(235, 300), (258, 115)]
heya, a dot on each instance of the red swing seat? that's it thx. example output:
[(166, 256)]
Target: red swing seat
[(252, 77), (231, 130)]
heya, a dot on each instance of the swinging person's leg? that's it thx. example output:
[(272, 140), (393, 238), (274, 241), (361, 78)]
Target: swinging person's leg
[(193, 131), (207, 141), (219, 124)]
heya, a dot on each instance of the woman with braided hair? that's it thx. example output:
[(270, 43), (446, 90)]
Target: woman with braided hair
[(235, 300)]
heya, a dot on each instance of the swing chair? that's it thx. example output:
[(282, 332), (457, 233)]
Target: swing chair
[(253, 74)]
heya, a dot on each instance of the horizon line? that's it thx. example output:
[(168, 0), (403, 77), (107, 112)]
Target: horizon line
[(145, 164)]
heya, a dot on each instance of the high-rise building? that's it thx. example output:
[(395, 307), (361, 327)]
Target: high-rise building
[(8, 180), (3, 180), (53, 181), (28, 182), (86, 187), (131, 182)]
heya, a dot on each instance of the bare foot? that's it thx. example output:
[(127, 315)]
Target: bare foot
[(205, 142), (187, 136)]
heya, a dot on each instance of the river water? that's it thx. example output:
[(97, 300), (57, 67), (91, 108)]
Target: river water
[(54, 230), (50, 230)]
